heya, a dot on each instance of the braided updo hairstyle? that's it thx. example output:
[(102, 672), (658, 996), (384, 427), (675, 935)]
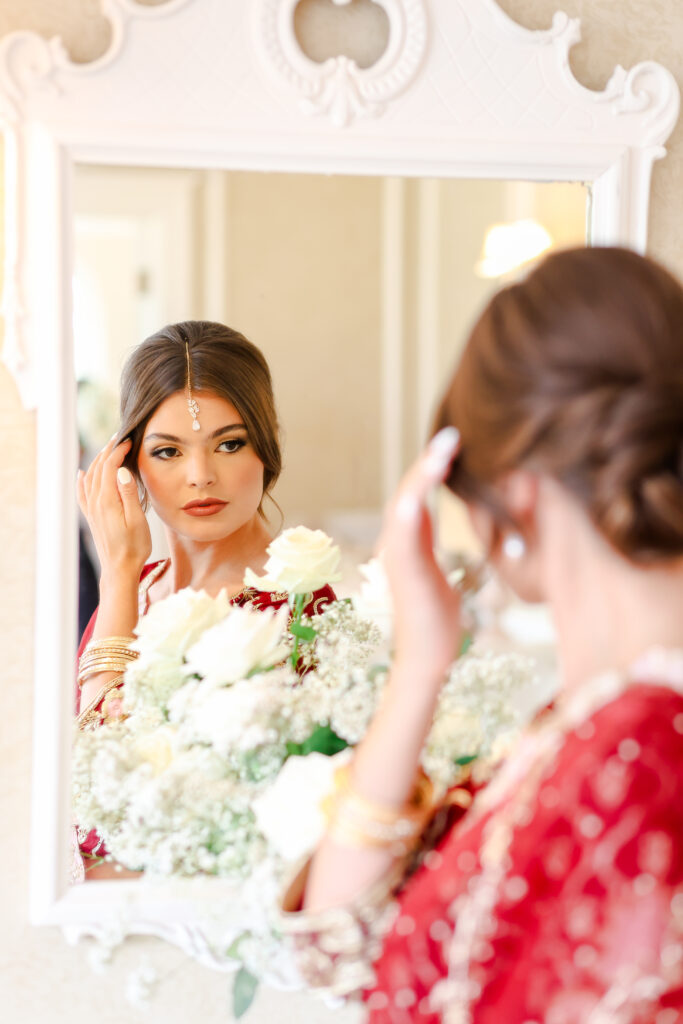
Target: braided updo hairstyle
[(577, 373)]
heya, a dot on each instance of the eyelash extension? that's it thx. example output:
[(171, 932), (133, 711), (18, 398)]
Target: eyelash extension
[(156, 453), (238, 441)]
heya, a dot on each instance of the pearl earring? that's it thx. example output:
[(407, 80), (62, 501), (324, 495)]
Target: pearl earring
[(514, 547)]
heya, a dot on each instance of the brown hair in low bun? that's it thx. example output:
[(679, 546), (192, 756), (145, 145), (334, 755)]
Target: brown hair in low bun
[(577, 373), (222, 361)]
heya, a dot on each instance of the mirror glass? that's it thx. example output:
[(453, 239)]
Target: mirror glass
[(359, 291)]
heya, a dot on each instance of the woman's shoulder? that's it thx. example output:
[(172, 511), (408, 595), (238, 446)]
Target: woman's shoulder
[(646, 716), (261, 599)]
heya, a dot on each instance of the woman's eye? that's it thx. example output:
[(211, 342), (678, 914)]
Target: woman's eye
[(164, 453), (232, 445)]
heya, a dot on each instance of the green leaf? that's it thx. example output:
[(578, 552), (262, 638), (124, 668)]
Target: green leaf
[(243, 991), (462, 761), (466, 644), (303, 632), (233, 950), (322, 740)]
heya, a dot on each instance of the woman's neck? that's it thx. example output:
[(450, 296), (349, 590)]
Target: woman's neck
[(608, 611), (214, 565)]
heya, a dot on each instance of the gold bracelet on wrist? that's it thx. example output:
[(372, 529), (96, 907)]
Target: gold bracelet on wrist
[(357, 821), (420, 799), (122, 641), (110, 654), (350, 835)]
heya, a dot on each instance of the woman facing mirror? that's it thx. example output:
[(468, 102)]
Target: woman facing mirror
[(199, 443), (556, 894)]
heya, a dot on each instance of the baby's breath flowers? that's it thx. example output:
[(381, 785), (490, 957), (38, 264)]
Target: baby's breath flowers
[(233, 719)]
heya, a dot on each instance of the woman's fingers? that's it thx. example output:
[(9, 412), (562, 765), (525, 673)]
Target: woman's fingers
[(426, 609), (94, 470), (430, 469), (111, 464), (100, 465), (102, 470), (409, 507), (128, 491)]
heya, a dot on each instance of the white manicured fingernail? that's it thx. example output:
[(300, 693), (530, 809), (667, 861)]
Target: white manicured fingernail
[(123, 475), (442, 448), (408, 508), (445, 442)]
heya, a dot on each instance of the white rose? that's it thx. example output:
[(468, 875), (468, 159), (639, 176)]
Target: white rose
[(373, 601), (174, 624), (244, 641), (301, 561), (217, 716), (157, 748), (289, 812)]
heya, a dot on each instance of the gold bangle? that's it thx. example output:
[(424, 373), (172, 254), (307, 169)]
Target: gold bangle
[(415, 807), (359, 822), (342, 832), (95, 667), (105, 650), (121, 641), (400, 829), (109, 654)]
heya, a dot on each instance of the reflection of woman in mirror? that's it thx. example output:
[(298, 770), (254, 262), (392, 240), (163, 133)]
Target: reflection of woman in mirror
[(199, 440), (558, 894)]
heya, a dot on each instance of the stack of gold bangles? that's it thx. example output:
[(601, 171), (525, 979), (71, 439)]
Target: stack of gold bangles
[(356, 821), (111, 654)]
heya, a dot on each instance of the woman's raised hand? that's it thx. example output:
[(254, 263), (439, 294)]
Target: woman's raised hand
[(111, 506), (427, 627)]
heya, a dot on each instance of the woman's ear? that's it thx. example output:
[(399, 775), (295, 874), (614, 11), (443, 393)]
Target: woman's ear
[(512, 546)]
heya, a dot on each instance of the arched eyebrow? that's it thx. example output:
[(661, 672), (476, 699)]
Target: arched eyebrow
[(216, 433)]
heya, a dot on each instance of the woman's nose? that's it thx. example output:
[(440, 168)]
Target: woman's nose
[(200, 471)]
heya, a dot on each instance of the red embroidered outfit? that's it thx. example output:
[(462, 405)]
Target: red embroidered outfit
[(557, 899)]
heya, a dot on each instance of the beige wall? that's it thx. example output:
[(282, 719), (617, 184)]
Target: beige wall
[(303, 284), (41, 979)]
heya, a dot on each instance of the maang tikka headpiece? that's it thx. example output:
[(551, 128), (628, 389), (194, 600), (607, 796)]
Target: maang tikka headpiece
[(192, 403)]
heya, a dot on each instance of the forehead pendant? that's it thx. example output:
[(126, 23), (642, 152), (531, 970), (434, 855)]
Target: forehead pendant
[(192, 403)]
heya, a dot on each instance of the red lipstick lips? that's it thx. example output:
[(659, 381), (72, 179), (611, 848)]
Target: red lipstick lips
[(204, 507)]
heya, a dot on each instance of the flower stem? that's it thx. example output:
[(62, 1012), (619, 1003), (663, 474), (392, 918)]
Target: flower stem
[(297, 612)]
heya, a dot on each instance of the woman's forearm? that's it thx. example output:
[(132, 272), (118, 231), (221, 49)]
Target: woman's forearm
[(384, 771), (117, 615)]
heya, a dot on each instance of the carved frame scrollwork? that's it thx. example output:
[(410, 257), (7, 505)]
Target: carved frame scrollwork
[(339, 89)]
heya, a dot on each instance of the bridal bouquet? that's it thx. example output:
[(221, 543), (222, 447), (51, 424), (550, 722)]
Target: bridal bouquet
[(233, 721)]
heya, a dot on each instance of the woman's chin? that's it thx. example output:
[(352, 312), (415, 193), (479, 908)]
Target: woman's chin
[(205, 528)]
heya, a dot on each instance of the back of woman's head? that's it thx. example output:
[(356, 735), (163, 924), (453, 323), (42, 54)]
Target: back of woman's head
[(577, 373), (221, 361)]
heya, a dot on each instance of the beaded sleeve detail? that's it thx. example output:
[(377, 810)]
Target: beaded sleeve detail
[(335, 948)]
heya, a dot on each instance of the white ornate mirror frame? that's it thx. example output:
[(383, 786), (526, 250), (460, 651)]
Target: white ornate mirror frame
[(461, 91)]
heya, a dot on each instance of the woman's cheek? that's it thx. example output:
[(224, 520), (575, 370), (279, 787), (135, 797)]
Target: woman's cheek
[(249, 476), (157, 488)]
